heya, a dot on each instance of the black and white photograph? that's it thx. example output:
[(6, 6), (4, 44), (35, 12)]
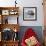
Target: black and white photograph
[(29, 13)]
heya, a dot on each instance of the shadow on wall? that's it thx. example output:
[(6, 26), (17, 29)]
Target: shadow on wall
[(37, 29)]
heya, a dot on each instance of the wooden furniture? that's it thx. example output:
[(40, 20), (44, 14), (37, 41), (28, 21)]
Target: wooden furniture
[(5, 23), (0, 43), (6, 12), (10, 43)]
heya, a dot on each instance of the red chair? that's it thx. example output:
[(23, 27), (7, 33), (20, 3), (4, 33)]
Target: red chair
[(29, 33)]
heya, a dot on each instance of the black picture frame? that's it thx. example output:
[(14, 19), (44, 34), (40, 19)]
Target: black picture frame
[(29, 13)]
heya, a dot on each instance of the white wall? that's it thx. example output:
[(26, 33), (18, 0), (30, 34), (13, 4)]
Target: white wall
[(33, 3), (27, 3)]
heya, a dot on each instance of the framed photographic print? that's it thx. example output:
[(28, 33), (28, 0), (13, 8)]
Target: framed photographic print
[(5, 12), (30, 13)]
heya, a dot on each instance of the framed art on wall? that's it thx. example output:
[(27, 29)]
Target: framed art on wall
[(29, 13), (5, 12)]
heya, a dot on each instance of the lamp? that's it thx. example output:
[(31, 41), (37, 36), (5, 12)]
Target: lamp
[(15, 3)]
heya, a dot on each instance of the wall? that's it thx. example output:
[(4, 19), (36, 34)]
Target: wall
[(37, 29), (38, 4), (26, 3)]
